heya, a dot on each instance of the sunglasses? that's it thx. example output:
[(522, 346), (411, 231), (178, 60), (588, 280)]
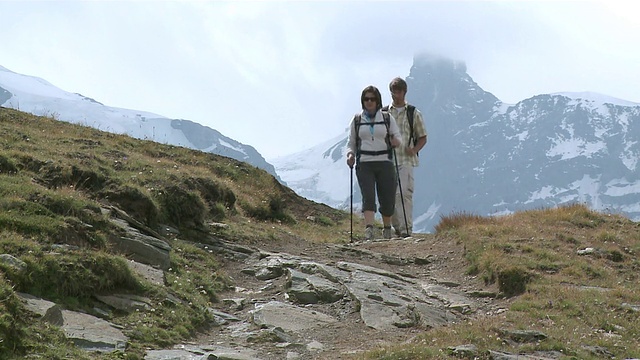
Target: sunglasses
[(366, 98)]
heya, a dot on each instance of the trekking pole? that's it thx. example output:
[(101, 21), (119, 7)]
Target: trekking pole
[(406, 225), (351, 185)]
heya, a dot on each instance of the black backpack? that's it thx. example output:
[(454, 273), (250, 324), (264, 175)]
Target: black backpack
[(386, 121), (410, 110)]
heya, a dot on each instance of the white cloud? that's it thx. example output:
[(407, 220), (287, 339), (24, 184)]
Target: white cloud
[(284, 76)]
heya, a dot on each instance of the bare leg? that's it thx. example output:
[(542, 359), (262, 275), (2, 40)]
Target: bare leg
[(368, 217)]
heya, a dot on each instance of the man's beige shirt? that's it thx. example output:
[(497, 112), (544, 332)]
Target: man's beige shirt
[(419, 131)]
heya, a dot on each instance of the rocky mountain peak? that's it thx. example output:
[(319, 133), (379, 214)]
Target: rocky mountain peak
[(489, 158), (443, 86), (437, 64)]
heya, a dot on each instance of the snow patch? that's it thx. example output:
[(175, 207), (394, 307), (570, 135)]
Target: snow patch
[(621, 187), (574, 147), (583, 190), (628, 157), (596, 98), (419, 222), (224, 143), (504, 212)]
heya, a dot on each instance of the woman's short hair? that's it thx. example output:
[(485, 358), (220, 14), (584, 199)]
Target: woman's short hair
[(376, 92)]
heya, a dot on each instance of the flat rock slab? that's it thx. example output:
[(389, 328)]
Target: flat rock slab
[(35, 304), (201, 352), (149, 273), (172, 355), (288, 317), (86, 331), (91, 333)]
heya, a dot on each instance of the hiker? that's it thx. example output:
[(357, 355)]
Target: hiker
[(414, 137), (372, 137)]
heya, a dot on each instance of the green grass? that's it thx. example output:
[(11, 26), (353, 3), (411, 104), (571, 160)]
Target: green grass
[(55, 180), (531, 257)]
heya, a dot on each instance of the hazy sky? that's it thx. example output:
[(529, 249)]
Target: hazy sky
[(284, 76)]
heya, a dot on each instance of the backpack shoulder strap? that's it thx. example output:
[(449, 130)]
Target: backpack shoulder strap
[(387, 118), (387, 123), (357, 120), (410, 111)]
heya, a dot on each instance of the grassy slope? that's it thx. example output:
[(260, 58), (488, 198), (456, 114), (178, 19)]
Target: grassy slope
[(54, 179), (587, 305)]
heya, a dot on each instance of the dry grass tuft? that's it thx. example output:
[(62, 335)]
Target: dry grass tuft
[(568, 272)]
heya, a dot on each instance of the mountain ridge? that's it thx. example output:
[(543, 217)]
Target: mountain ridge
[(488, 157), (479, 147), (39, 97)]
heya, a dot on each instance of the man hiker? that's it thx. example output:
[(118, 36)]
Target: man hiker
[(414, 137)]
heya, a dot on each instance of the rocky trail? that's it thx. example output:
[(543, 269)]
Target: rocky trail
[(295, 299), (331, 301)]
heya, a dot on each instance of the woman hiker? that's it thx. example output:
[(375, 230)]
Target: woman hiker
[(373, 136)]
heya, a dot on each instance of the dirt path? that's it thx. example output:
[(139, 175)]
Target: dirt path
[(443, 264)]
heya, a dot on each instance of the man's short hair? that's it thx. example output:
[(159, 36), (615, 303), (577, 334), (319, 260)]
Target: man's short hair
[(398, 84)]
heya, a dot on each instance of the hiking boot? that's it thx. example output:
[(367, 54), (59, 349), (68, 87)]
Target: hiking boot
[(401, 233), (368, 233), (386, 233)]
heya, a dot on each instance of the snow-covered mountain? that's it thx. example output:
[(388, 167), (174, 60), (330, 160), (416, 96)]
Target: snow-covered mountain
[(489, 158), (37, 96), (319, 173)]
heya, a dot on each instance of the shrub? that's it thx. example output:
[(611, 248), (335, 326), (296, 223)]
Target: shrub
[(56, 176), (582, 217), (69, 277), (212, 192), (615, 256), (217, 197), (275, 211), (182, 208), (460, 219), (133, 201), (217, 211), (513, 280), (323, 220), (25, 217), (12, 331), (7, 166)]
